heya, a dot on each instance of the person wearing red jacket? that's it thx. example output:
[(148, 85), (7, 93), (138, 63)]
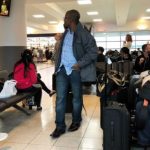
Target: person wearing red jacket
[(26, 76)]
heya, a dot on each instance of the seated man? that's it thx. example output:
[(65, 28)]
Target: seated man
[(136, 82), (100, 56), (141, 67), (142, 62)]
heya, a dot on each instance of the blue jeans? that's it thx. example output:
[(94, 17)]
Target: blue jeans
[(63, 82)]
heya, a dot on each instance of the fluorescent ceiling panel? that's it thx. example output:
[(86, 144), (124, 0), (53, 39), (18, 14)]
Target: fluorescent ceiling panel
[(92, 13), (38, 16), (97, 20), (84, 2)]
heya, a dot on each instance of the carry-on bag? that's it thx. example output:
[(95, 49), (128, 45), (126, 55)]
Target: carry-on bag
[(115, 126), (69, 105)]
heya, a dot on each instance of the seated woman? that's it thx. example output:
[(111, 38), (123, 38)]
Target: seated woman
[(26, 76)]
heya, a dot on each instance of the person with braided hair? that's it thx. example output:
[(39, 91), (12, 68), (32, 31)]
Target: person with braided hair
[(26, 76)]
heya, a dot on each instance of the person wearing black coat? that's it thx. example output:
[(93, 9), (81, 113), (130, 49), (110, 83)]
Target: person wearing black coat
[(142, 62), (100, 56)]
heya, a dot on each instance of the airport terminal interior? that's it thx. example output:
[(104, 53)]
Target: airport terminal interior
[(37, 25), (33, 132)]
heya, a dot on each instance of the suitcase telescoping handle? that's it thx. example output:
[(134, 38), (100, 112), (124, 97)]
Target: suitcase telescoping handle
[(105, 79), (107, 61), (112, 132)]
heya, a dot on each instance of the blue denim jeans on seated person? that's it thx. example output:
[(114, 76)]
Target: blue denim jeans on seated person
[(63, 82)]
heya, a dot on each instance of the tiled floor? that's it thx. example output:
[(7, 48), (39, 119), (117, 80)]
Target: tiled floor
[(32, 132)]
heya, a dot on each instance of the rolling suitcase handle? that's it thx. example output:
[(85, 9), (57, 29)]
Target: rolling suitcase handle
[(112, 133)]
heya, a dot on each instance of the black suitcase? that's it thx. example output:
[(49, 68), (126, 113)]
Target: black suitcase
[(115, 126), (54, 81), (69, 105)]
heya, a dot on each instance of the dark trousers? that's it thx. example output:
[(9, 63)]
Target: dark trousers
[(44, 87), (37, 96)]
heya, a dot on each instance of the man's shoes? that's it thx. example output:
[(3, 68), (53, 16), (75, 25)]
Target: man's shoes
[(57, 133), (74, 127), (52, 93)]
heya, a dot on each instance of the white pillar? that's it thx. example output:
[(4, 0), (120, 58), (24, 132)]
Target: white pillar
[(12, 34)]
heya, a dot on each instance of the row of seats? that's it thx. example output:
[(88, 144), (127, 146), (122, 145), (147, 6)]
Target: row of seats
[(13, 100)]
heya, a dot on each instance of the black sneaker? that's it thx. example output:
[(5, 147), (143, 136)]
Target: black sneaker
[(39, 108), (74, 127), (57, 133), (52, 93)]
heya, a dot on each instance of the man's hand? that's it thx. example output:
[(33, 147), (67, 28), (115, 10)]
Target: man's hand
[(76, 67)]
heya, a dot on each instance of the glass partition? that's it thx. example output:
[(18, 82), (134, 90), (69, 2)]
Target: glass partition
[(108, 40), (114, 40)]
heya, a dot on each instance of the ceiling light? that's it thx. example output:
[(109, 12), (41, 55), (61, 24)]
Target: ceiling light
[(38, 16), (141, 27), (92, 13), (29, 30), (97, 20), (146, 18), (84, 2), (52, 22), (148, 10)]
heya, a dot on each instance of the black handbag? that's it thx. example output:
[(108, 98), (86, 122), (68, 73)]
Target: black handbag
[(113, 83)]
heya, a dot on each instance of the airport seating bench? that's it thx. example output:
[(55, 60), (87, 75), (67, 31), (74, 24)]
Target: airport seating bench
[(13, 100)]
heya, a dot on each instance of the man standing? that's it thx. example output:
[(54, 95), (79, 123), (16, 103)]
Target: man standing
[(75, 63)]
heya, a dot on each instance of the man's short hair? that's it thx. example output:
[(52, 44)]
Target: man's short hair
[(125, 50), (144, 47), (74, 15), (101, 49)]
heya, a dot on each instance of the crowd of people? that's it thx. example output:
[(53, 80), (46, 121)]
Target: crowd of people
[(75, 56), (140, 59), (43, 54)]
